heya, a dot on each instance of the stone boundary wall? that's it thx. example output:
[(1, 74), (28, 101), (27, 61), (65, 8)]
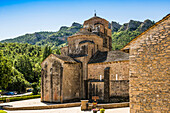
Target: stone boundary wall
[(105, 106), (44, 107), (114, 105)]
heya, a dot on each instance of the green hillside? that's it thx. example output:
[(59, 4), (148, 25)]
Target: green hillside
[(20, 65), (122, 34), (53, 39)]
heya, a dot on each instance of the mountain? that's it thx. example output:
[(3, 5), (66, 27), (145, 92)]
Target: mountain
[(122, 34), (115, 26), (50, 38)]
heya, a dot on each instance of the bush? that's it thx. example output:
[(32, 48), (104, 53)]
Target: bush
[(1, 111), (20, 98), (102, 110), (36, 88)]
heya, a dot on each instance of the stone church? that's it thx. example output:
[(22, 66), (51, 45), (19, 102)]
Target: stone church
[(86, 67)]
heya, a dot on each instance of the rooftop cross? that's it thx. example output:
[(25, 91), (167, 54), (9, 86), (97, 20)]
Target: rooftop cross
[(94, 12)]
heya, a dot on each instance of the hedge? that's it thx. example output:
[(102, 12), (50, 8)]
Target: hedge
[(25, 97)]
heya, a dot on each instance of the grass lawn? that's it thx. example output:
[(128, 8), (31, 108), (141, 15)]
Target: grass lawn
[(1, 111)]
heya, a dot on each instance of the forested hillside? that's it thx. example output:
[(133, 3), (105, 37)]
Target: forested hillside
[(53, 39), (123, 34), (20, 65)]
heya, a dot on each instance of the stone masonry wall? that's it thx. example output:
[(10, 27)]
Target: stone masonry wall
[(74, 46), (51, 75), (149, 70), (119, 86), (119, 68), (96, 89), (71, 81)]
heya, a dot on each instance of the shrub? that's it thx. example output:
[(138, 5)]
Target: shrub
[(20, 98), (36, 88), (102, 110), (1, 111)]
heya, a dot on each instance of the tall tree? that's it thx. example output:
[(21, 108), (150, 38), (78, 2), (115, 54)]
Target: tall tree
[(5, 71), (22, 64), (47, 51)]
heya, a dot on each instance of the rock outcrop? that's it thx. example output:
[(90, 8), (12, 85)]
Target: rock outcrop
[(145, 25), (115, 26)]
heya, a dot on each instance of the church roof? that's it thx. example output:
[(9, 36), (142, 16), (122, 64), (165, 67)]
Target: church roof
[(109, 56), (84, 32), (95, 17), (65, 58)]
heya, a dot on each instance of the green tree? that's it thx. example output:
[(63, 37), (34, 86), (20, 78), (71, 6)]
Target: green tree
[(18, 82), (36, 88), (47, 51), (5, 71), (22, 64)]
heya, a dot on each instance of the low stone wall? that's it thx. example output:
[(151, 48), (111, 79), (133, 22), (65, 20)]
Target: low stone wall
[(44, 107), (113, 105), (89, 106), (105, 106)]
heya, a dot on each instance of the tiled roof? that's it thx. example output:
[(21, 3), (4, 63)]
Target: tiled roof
[(109, 56), (66, 58)]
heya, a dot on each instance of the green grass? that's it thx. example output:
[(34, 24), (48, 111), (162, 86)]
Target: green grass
[(1, 111), (20, 98)]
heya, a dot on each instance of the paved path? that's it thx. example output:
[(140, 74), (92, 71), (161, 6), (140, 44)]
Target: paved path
[(70, 110), (37, 102), (24, 103)]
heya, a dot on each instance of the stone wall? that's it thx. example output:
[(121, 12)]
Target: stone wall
[(51, 79), (76, 49), (149, 70), (119, 69), (60, 80), (118, 86), (64, 50), (96, 89), (71, 81)]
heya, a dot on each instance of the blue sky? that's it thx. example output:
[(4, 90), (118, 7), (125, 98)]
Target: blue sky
[(18, 17)]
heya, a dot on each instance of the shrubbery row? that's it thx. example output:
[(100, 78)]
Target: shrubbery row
[(19, 98)]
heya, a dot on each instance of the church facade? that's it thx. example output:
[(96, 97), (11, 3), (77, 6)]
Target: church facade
[(86, 67)]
